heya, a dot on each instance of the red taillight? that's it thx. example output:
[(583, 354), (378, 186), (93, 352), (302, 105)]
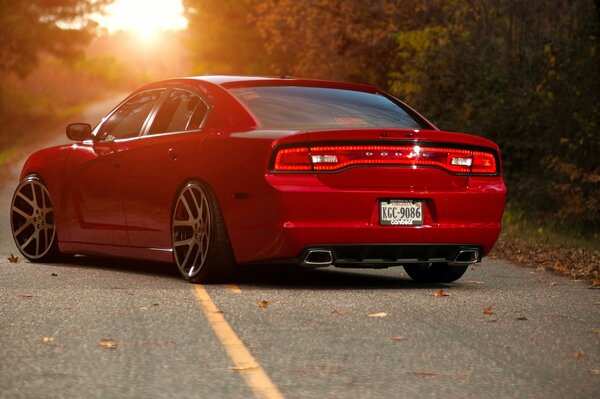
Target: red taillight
[(483, 163), (332, 158), (292, 160)]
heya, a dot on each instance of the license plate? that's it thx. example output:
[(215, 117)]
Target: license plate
[(401, 212)]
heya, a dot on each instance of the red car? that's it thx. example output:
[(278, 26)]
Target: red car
[(212, 172)]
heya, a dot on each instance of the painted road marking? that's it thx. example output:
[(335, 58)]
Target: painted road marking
[(243, 361)]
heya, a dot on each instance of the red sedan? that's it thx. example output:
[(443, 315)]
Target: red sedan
[(212, 172)]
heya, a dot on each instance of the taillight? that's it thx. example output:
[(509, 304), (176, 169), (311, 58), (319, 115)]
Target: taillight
[(292, 160), (484, 163), (332, 158)]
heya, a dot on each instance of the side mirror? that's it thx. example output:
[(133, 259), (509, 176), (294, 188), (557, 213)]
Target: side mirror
[(79, 131)]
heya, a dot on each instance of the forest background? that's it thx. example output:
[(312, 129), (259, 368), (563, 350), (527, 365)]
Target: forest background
[(524, 73)]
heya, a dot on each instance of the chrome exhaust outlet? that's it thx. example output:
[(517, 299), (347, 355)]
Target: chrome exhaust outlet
[(466, 257), (318, 258)]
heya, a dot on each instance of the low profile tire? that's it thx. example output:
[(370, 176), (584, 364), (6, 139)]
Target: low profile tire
[(435, 272), (32, 221), (201, 247)]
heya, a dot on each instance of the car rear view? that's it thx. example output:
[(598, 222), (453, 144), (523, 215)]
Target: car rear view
[(365, 181)]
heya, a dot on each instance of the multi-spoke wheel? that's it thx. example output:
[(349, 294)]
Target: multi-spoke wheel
[(32, 221), (435, 272), (200, 244)]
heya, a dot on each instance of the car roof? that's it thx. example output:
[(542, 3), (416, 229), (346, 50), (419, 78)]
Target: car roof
[(227, 81)]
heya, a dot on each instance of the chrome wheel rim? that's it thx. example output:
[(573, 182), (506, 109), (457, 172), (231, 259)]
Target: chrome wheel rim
[(192, 221), (32, 219)]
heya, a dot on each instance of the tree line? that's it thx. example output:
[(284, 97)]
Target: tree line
[(524, 73)]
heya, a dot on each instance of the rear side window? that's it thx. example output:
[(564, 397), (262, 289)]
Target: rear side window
[(128, 120), (179, 112), (297, 107)]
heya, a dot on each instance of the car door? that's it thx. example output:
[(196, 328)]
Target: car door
[(156, 164), (95, 168)]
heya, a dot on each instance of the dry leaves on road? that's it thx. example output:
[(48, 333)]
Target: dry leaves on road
[(263, 304), (440, 293), (488, 310), (578, 354), (234, 289), (380, 314), (13, 259), (595, 371), (398, 338), (339, 312), (108, 343)]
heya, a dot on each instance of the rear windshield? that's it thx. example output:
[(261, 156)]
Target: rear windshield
[(297, 107)]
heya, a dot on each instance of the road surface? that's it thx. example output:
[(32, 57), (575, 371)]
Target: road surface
[(106, 328)]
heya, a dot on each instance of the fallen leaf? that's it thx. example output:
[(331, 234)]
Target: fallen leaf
[(595, 330), (577, 354), (595, 282), (595, 371), (475, 282), (47, 339), (424, 374), (339, 312), (143, 308), (398, 338), (522, 318), (380, 314), (263, 303), (13, 259), (440, 293), (27, 296), (108, 343), (552, 283), (488, 310), (54, 275), (155, 304), (234, 288)]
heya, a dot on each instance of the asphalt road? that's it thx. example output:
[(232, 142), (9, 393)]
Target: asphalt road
[(111, 328)]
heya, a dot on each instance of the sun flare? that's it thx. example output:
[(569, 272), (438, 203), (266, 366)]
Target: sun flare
[(145, 18)]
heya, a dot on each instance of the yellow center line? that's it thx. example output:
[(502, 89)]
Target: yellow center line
[(243, 361)]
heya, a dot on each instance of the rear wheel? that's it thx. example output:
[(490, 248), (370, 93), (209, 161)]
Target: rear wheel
[(435, 272), (201, 247), (32, 221)]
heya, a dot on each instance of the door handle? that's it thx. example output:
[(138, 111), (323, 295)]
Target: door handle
[(173, 154)]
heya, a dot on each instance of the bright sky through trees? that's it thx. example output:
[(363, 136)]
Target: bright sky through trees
[(146, 18)]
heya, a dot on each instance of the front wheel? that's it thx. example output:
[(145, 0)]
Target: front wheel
[(435, 272), (201, 247), (32, 221)]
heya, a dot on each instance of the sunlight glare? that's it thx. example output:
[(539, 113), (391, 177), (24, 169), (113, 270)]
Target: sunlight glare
[(145, 18)]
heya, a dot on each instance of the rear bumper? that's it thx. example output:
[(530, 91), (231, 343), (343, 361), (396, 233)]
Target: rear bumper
[(299, 212)]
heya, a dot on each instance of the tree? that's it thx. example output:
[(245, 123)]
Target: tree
[(31, 27), (223, 37)]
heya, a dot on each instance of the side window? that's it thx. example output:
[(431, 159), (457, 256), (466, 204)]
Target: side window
[(180, 112), (128, 119)]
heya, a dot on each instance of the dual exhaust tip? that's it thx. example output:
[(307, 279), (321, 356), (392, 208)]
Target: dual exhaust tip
[(325, 257)]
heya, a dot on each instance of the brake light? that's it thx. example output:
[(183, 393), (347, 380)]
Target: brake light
[(332, 158), (483, 163), (293, 160)]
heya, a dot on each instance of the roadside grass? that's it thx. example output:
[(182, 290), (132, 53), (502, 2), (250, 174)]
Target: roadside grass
[(544, 244)]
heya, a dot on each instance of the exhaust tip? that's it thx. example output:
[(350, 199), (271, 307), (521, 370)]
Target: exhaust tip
[(466, 257), (318, 258)]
